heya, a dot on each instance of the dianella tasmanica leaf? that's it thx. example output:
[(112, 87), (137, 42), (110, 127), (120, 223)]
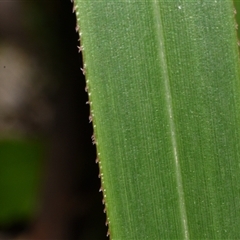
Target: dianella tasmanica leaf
[(164, 87)]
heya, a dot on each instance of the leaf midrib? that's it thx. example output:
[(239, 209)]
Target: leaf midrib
[(168, 98)]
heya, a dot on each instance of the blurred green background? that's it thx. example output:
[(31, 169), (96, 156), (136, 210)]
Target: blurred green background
[(48, 176), (49, 185), (19, 178)]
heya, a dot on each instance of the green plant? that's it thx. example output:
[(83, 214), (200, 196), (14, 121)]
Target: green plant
[(163, 83)]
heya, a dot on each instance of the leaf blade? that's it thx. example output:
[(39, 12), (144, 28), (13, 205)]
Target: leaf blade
[(151, 70)]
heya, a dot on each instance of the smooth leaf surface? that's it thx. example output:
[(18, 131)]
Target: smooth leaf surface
[(163, 80)]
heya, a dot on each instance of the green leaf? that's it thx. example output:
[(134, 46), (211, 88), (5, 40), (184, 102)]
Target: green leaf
[(163, 80)]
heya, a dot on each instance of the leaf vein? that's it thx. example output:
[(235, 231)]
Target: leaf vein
[(168, 95)]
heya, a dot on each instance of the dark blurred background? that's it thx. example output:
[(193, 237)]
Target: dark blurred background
[(49, 185)]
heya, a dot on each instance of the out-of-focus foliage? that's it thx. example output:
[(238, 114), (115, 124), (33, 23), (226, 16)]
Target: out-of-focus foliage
[(25, 115), (19, 177), (46, 154)]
